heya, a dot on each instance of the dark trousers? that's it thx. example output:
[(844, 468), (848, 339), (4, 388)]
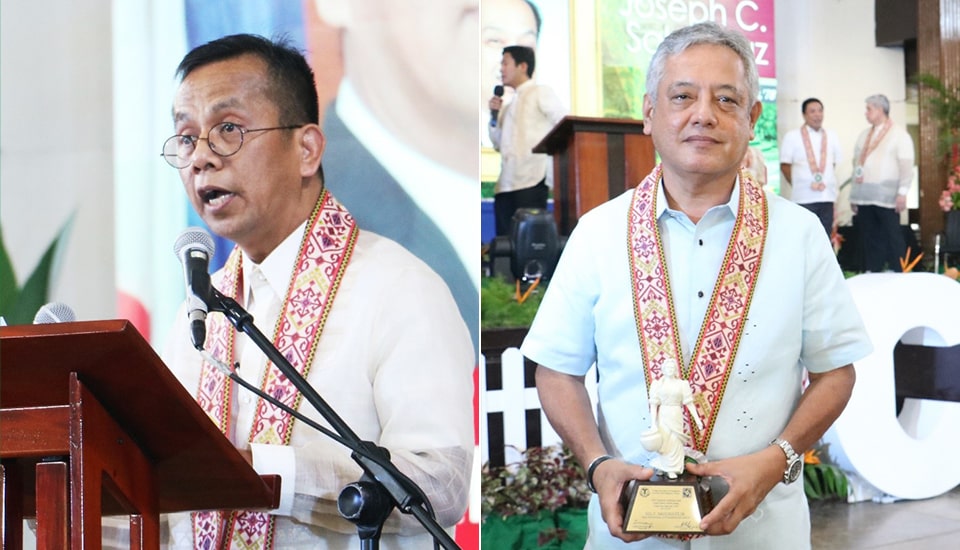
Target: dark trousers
[(505, 204), (824, 211), (880, 236)]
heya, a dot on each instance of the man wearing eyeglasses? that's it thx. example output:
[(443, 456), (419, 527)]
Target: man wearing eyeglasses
[(371, 327)]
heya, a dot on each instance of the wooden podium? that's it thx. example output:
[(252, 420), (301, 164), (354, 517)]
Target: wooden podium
[(594, 160), (92, 423)]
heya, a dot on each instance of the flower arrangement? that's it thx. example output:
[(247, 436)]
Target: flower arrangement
[(950, 198)]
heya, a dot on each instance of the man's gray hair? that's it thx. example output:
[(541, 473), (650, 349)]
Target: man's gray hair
[(703, 33), (881, 101)]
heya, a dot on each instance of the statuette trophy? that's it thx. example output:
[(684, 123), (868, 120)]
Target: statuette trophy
[(673, 501)]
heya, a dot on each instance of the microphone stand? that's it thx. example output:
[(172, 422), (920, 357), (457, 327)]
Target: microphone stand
[(368, 502)]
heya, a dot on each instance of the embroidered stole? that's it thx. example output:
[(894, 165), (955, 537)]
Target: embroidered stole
[(713, 356), (325, 251)]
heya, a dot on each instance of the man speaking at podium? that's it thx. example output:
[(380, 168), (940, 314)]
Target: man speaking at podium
[(370, 327)]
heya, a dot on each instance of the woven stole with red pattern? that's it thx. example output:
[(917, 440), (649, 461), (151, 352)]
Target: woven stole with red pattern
[(324, 254), (722, 326)]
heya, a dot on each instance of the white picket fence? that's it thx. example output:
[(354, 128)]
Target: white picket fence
[(515, 401)]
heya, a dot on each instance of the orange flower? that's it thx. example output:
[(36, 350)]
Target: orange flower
[(810, 457)]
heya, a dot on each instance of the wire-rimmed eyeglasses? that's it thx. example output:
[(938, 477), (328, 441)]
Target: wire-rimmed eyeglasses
[(224, 139)]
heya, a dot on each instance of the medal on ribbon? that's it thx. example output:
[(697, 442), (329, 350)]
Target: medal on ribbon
[(816, 168)]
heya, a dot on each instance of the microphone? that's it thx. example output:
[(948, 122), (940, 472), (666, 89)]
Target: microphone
[(54, 312), (194, 247), (497, 91)]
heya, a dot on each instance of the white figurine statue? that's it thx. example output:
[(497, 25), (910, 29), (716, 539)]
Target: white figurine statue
[(668, 396)]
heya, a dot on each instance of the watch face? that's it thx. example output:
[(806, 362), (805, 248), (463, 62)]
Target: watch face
[(795, 468)]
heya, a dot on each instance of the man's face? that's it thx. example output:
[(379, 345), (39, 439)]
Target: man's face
[(251, 196), (703, 117), (813, 115), (502, 23), (512, 73), (874, 114)]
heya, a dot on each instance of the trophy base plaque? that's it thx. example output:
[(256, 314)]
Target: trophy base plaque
[(666, 506)]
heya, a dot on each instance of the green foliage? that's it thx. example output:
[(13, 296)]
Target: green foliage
[(499, 307), (545, 479), (824, 481), (18, 304), (944, 106)]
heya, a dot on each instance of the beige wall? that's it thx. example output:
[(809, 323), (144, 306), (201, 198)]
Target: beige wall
[(56, 142)]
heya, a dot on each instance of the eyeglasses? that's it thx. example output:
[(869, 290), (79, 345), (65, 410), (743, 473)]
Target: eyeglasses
[(224, 139)]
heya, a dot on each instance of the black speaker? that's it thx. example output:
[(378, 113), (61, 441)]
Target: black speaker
[(536, 244)]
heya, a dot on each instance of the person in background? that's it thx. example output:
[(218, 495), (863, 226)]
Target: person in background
[(646, 280), (882, 173), (522, 124), (370, 326), (502, 23), (808, 161)]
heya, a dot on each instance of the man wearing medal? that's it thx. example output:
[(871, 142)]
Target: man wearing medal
[(883, 172), (693, 266), (808, 159)]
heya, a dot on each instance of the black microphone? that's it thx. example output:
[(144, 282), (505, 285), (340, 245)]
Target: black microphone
[(194, 247), (54, 312), (497, 91)]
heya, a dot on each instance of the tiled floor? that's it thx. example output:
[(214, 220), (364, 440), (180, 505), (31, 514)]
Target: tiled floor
[(931, 524)]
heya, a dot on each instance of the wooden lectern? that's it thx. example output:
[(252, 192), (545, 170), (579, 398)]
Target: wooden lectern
[(92, 423), (594, 160)]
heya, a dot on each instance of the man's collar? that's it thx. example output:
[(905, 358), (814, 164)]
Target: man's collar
[(278, 265), (733, 204)]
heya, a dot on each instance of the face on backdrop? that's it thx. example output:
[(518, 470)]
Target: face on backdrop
[(410, 57), (813, 116), (703, 118), (502, 23), (256, 196)]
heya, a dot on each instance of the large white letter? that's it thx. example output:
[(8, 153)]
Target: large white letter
[(919, 308)]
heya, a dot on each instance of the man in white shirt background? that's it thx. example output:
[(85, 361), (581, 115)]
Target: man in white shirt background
[(808, 160), (520, 125)]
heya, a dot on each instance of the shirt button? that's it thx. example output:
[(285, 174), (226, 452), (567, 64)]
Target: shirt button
[(700, 294), (701, 242)]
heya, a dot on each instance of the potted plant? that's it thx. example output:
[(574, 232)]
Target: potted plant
[(538, 502)]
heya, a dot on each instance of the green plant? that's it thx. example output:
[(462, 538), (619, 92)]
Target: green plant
[(823, 481), (545, 479), (944, 106), (499, 307), (18, 304)]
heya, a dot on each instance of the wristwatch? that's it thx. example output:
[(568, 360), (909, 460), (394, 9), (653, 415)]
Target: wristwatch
[(794, 462)]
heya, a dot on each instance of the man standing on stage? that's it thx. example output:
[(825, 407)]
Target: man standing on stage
[(882, 174), (808, 160), (534, 111)]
